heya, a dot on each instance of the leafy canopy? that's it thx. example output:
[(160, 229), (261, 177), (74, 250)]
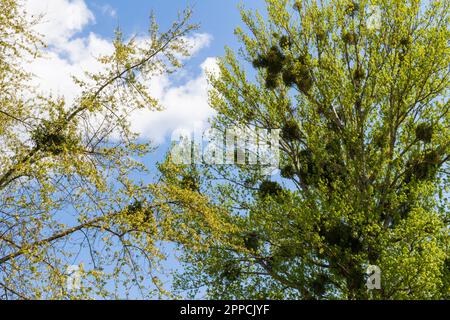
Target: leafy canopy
[(68, 170), (365, 120)]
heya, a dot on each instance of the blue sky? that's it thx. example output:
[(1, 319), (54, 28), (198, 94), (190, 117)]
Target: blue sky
[(218, 17), (78, 31)]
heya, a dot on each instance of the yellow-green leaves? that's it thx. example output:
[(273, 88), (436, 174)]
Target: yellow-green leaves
[(360, 92), (71, 172)]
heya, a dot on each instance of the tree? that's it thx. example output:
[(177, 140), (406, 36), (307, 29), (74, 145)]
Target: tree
[(365, 124), (66, 171)]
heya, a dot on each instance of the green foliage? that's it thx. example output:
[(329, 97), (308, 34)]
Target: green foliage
[(288, 171), (366, 173), (269, 188), (424, 132), (252, 241), (352, 9), (350, 38), (291, 131), (66, 169), (231, 271)]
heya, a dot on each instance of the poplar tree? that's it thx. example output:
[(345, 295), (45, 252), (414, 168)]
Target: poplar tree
[(360, 93)]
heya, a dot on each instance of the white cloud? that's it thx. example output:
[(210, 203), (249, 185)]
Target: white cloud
[(108, 10), (198, 41), (70, 54), (61, 18), (54, 70), (184, 105)]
